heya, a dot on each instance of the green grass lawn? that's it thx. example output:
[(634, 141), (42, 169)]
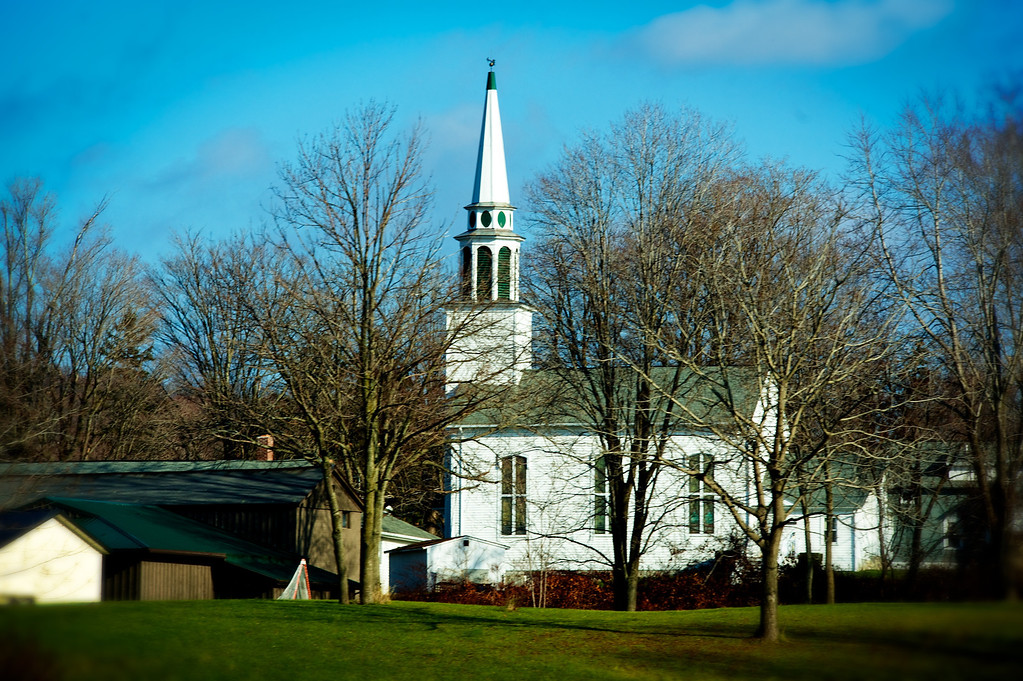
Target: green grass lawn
[(423, 641)]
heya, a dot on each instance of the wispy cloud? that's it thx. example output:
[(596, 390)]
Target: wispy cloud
[(788, 31), (229, 155)]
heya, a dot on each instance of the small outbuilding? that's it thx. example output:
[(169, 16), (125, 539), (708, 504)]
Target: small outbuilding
[(46, 558), (427, 564), (193, 530), (396, 534)]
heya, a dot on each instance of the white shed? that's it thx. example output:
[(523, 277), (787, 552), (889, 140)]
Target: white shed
[(457, 559), (396, 534), (45, 558)]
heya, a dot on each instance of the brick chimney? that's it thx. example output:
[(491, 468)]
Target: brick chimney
[(265, 448)]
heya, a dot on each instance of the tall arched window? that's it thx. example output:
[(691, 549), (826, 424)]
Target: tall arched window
[(504, 274), (484, 273), (466, 272)]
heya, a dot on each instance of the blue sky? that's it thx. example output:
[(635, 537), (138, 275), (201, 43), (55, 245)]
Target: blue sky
[(179, 112)]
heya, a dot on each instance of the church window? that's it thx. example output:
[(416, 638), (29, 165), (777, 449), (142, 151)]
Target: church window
[(466, 272), (513, 495), (953, 538), (484, 273), (701, 498), (600, 496), (501, 218), (504, 273), (485, 218), (472, 219)]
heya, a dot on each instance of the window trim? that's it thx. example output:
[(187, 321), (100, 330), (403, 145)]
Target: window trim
[(601, 496), (701, 497), (512, 508)]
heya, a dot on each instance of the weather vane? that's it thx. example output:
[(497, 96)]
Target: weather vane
[(492, 62)]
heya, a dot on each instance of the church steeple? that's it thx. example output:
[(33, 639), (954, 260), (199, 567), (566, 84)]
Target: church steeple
[(493, 330), (490, 247), (491, 189)]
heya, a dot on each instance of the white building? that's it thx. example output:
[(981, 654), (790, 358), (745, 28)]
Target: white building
[(531, 479), (45, 558)]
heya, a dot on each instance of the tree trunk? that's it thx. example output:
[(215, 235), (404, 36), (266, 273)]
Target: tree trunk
[(632, 586), (372, 523), (1007, 562), (829, 516), (769, 629), (808, 552), (620, 578), (337, 526), (881, 542)]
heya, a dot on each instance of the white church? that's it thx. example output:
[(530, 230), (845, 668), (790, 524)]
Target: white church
[(528, 492)]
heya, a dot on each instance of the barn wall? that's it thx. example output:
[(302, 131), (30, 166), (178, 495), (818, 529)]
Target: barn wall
[(130, 578), (271, 525), (160, 581), (316, 539), (315, 532)]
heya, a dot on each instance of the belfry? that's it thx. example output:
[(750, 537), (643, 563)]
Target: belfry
[(494, 328)]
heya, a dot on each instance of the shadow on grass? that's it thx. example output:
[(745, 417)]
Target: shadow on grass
[(21, 659), (433, 617)]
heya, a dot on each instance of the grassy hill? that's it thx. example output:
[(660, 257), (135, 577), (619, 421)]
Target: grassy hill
[(423, 641)]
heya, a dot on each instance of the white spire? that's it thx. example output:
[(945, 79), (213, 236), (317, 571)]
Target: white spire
[(491, 188), (495, 330)]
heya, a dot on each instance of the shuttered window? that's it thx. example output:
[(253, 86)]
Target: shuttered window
[(504, 274), (513, 495), (484, 273), (701, 498), (599, 496), (466, 272)]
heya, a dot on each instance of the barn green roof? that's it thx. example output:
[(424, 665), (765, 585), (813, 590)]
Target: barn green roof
[(139, 527), (164, 483), (392, 525), (563, 397)]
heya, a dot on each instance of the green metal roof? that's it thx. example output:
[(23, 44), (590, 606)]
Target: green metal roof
[(96, 467), (164, 483), (14, 524), (561, 397), (129, 527), (120, 526), (392, 525)]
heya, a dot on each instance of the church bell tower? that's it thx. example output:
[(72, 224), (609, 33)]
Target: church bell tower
[(493, 328)]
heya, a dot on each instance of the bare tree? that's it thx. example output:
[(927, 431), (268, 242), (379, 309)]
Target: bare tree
[(780, 313), (79, 379), (599, 271), (357, 338), (944, 195), (213, 343)]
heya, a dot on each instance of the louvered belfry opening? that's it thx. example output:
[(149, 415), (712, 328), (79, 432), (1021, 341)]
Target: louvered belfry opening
[(466, 272), (504, 274), (484, 273)]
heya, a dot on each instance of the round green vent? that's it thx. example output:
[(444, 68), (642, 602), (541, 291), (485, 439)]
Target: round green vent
[(485, 218), (472, 219), (501, 219)]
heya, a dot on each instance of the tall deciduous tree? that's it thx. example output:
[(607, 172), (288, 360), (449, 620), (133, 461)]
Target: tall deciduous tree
[(213, 342), (357, 340), (75, 336), (600, 270), (779, 314), (944, 192)]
